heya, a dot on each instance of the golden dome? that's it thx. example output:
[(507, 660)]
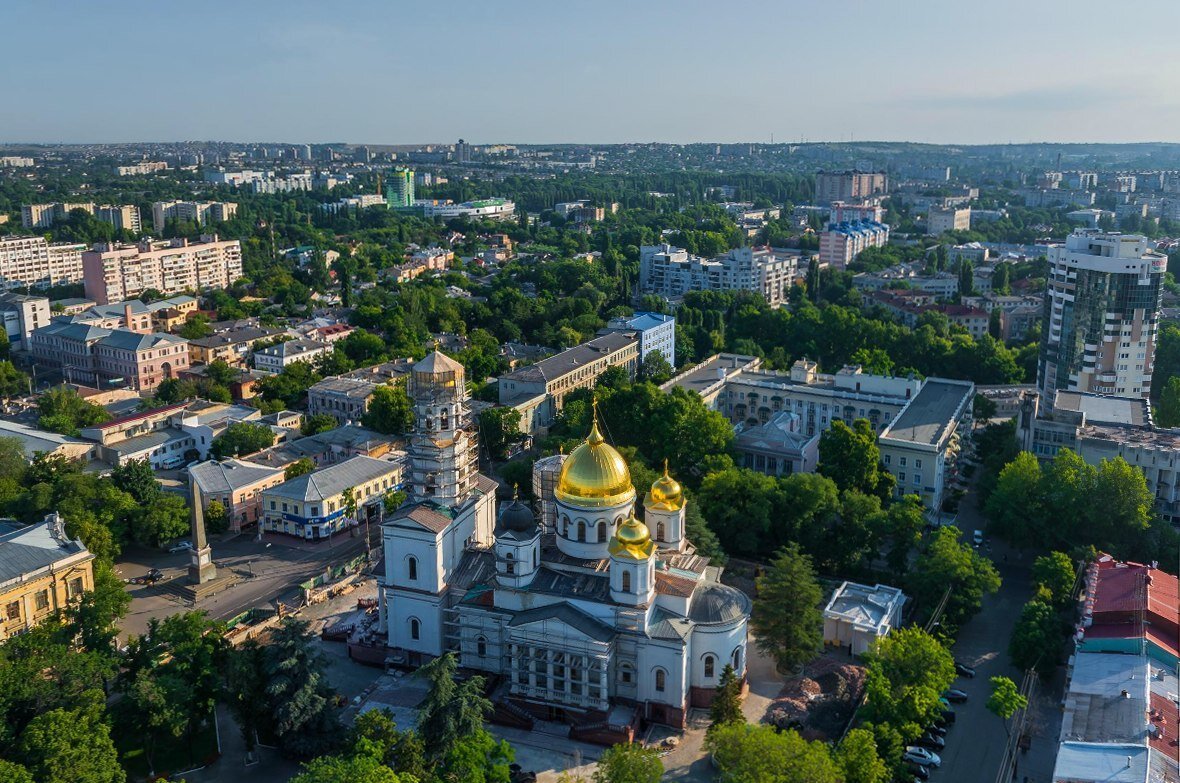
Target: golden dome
[(632, 539), (594, 475), (666, 491)]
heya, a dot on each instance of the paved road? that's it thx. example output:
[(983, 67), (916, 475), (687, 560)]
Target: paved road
[(266, 571), (975, 744)]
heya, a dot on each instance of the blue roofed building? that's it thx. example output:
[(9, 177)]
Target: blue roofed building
[(657, 332)]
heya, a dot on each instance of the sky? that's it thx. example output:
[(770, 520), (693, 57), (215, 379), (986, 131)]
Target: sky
[(608, 71)]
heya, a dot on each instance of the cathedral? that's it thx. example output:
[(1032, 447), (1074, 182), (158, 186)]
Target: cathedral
[(594, 617)]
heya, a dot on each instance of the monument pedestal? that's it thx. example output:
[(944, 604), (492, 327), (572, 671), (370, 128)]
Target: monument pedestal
[(200, 567)]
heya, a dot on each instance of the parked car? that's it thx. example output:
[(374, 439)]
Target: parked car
[(978, 537), (948, 716), (180, 546), (172, 463), (931, 741), (937, 729), (955, 696), (919, 772), (922, 757), (963, 670)]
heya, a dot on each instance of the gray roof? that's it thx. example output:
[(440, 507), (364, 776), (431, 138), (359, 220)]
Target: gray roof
[(590, 587), (292, 348), (666, 625), (126, 340), (347, 387), (151, 440), (864, 606), (32, 439), (929, 416), (574, 359), (775, 434), (1095, 708), (438, 362), (35, 547), (1103, 409), (348, 437), (234, 336), (718, 603), (229, 474), (1088, 762), (570, 615), (80, 332), (333, 480)]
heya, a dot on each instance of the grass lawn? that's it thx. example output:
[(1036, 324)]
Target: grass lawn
[(170, 755)]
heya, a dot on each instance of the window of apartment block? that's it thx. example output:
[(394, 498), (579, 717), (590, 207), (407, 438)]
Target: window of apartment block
[(12, 611), (41, 600), (74, 589)]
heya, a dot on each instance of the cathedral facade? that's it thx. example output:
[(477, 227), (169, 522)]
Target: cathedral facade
[(598, 619)]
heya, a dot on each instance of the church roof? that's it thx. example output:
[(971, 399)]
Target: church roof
[(438, 362), (424, 515), (718, 603), (671, 584), (571, 616), (666, 625), (590, 587)]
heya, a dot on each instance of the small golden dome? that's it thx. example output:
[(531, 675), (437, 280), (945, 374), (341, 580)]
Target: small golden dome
[(594, 475), (632, 539), (666, 489)]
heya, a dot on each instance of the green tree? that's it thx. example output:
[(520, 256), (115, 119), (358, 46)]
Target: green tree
[(71, 745), (966, 278), (850, 457), (1054, 574), (499, 429), (246, 690), (476, 758), (241, 438), (157, 701), (353, 768), (1037, 638), (136, 478), (218, 371), (63, 411), (727, 703), (1016, 505), (873, 360), (948, 563), (629, 763), (299, 467), (165, 519), (216, 517), (758, 753), (907, 672), (13, 382), (390, 412), (787, 620), (96, 615), (983, 408), (1005, 699), (452, 710), (14, 773), (196, 327), (1167, 411), (655, 368), (302, 718), (316, 423), (857, 757)]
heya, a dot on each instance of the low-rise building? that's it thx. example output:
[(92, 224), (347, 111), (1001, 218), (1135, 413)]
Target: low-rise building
[(328, 448), (231, 347), (36, 441), (238, 486), (109, 357), (315, 505), (577, 368), (345, 399), (921, 446), (657, 332), (165, 436), (20, 315), (42, 572), (274, 358), (858, 615), (779, 447)]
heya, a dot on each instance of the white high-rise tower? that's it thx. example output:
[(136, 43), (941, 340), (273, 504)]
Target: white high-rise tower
[(443, 454)]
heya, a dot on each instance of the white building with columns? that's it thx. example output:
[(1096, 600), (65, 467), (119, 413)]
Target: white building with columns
[(599, 621)]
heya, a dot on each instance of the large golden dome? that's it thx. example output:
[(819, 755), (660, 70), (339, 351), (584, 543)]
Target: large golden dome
[(666, 491), (594, 475), (632, 539)]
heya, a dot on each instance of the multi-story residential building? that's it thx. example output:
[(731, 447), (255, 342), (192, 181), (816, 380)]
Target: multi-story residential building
[(345, 399), (290, 183), (314, 505), (274, 358), (940, 220), (429, 259), (114, 273), (1101, 314), (15, 162), (238, 486), (20, 315), (833, 186), (909, 306), (1018, 314), (672, 272), (42, 572), (399, 189), (232, 347), (31, 261), (199, 212), (840, 243), (93, 355), (545, 384), (482, 209), (855, 213), (143, 167), (657, 332), (168, 436), (124, 217)]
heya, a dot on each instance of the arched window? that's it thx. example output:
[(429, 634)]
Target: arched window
[(412, 567), (510, 567), (626, 581), (661, 680), (534, 557), (415, 629), (601, 532), (661, 529), (481, 646), (565, 526), (581, 530), (737, 659), (442, 419), (709, 663)]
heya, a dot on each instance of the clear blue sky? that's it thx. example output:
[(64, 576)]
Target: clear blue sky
[(411, 71)]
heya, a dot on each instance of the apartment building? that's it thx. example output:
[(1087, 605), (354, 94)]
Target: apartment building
[(238, 486), (1101, 314), (1018, 314), (232, 347), (114, 273), (164, 436), (657, 332), (143, 167), (42, 571), (841, 243), (430, 259), (672, 272), (33, 262), (548, 381), (20, 315), (274, 358), (833, 186), (314, 506), (345, 399), (95, 356), (199, 212), (939, 220)]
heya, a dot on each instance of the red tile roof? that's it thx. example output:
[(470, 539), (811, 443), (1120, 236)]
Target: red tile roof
[(1165, 717)]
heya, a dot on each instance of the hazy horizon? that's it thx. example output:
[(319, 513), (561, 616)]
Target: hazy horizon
[(535, 73)]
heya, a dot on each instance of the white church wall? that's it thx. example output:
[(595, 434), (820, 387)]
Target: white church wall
[(720, 641), (670, 657), (404, 608)]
